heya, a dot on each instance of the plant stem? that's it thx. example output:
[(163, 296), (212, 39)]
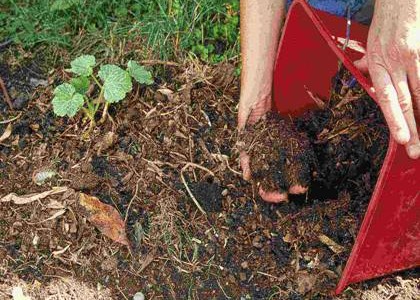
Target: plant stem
[(97, 82), (104, 113)]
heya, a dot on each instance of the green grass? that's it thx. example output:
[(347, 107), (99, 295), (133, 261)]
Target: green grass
[(169, 29)]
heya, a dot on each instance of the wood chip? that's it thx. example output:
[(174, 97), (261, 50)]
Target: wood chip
[(58, 252), (336, 248), (6, 134)]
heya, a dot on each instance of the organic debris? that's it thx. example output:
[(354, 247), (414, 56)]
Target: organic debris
[(164, 143), (105, 218), (336, 248), (7, 133), (25, 199)]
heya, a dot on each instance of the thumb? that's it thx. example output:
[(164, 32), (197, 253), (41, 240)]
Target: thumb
[(362, 64)]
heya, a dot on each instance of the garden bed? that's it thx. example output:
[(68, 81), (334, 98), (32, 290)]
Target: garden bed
[(167, 141)]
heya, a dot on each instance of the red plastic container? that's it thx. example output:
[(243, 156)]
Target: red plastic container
[(310, 47)]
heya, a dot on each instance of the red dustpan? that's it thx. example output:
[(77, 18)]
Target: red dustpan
[(389, 237)]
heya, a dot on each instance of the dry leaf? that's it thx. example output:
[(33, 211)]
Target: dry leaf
[(6, 133), (105, 218), (336, 248), (25, 199), (147, 261)]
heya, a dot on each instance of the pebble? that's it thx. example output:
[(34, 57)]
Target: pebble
[(138, 296), (244, 265), (242, 276), (35, 82), (20, 102)]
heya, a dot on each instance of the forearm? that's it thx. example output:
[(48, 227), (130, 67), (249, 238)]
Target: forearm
[(261, 22)]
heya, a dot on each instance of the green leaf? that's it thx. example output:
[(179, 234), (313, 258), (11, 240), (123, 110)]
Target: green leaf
[(81, 84), (139, 73), (117, 82), (83, 65), (63, 4), (66, 101)]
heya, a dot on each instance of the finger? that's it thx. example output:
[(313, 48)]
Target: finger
[(273, 197), (388, 101), (298, 189), (414, 84), (244, 160), (406, 104), (362, 64)]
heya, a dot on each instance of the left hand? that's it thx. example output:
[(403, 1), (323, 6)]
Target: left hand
[(393, 61)]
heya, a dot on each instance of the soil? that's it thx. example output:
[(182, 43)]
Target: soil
[(242, 248), (281, 155)]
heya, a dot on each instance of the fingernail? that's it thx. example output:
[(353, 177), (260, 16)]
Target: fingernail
[(413, 151)]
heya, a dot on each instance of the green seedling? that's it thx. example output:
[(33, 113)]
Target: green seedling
[(112, 82)]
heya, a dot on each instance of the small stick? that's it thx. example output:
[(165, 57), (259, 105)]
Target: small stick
[(11, 120), (6, 94), (186, 185), (159, 62), (131, 201)]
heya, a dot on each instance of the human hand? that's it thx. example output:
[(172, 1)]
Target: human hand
[(393, 61), (248, 115)]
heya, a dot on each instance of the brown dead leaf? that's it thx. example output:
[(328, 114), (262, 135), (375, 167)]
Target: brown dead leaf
[(6, 133), (105, 218)]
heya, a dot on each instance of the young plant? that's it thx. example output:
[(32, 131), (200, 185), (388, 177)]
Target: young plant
[(112, 81)]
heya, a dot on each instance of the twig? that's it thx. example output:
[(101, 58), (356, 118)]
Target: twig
[(6, 94), (272, 276), (131, 201), (12, 119), (121, 292), (186, 185), (159, 62)]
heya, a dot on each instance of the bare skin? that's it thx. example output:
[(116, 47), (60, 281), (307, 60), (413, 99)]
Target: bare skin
[(260, 32), (392, 61)]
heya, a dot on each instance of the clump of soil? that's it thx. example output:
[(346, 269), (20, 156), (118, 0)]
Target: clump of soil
[(326, 149), (350, 139), (209, 195), (281, 156)]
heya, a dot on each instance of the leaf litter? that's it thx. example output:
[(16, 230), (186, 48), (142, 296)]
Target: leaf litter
[(105, 218)]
